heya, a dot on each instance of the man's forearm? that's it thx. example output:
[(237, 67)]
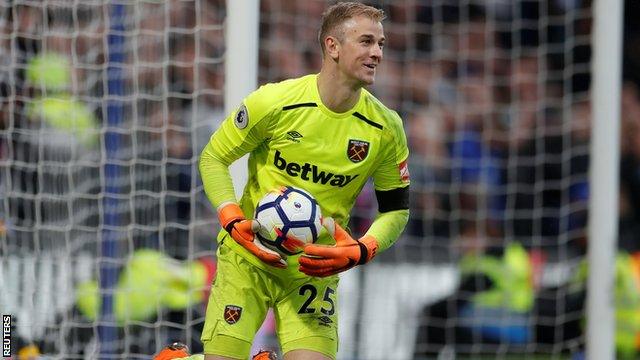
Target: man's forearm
[(216, 178), (388, 226)]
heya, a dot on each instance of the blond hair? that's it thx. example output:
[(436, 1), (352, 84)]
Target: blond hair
[(337, 14)]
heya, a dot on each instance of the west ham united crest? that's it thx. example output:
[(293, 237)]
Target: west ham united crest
[(232, 314), (357, 150)]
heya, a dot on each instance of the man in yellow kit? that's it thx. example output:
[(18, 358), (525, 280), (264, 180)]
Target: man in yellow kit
[(325, 134)]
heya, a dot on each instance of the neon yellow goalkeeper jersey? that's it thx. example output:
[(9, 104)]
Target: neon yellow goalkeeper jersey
[(293, 139)]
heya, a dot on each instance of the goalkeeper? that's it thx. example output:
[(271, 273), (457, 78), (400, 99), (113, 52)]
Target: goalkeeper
[(328, 135)]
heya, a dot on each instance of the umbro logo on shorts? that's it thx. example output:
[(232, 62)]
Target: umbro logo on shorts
[(232, 314), (324, 320)]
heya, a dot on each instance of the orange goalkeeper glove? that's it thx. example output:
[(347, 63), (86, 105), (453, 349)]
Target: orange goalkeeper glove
[(177, 350), (243, 232), (325, 260)]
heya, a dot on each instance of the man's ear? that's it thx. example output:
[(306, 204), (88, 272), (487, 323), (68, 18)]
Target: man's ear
[(332, 47)]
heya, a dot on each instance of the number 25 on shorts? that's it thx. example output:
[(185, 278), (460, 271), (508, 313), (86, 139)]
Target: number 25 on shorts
[(310, 292)]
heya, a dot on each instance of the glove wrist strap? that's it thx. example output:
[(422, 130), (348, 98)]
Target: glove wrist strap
[(364, 253), (368, 248), (231, 224)]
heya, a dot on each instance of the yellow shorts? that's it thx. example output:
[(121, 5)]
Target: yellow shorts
[(305, 309)]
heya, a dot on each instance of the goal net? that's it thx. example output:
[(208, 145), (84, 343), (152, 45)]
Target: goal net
[(106, 237), (494, 98), (106, 106)]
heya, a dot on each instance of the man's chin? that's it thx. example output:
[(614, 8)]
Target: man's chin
[(368, 81)]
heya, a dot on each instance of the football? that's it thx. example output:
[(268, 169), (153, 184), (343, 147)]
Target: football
[(289, 218)]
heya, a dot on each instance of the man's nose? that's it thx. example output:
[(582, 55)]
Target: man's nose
[(377, 52)]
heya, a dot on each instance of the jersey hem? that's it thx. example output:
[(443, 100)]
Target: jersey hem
[(290, 271)]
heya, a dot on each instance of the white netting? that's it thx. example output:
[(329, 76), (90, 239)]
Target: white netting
[(103, 118), (72, 178), (494, 99)]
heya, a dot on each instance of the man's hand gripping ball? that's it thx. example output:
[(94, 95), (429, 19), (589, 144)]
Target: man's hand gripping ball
[(243, 232), (326, 260)]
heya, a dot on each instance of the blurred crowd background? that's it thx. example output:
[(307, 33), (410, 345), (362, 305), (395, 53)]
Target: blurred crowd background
[(494, 96)]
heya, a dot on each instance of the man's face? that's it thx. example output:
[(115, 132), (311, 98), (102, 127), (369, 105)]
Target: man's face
[(360, 50)]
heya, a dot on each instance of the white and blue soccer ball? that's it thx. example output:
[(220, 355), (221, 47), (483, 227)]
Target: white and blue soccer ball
[(289, 218)]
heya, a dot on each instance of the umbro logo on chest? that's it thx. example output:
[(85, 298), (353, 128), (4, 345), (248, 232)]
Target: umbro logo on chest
[(294, 136)]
